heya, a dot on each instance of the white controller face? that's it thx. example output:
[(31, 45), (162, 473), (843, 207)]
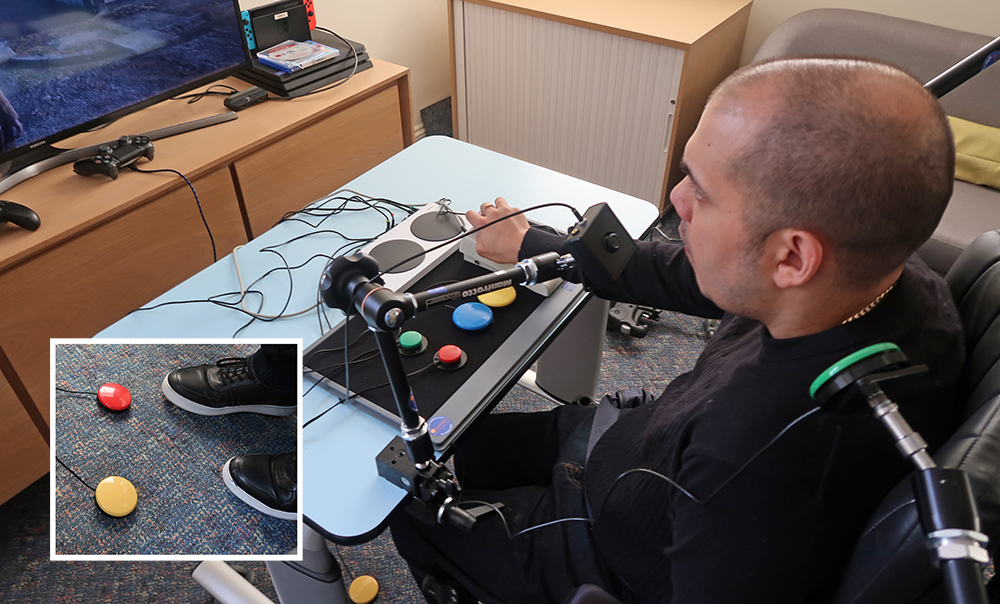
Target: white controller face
[(468, 249)]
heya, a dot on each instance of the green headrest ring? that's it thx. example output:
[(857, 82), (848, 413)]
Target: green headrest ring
[(846, 362)]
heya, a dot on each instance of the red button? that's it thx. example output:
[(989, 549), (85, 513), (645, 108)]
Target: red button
[(114, 397), (450, 354)]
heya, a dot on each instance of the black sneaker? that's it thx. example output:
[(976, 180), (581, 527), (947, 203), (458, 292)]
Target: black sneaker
[(226, 387), (266, 483)]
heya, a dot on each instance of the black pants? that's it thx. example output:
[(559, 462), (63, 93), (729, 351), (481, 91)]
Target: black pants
[(533, 464), (274, 366)]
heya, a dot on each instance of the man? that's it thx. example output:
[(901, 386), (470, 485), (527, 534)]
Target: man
[(266, 383), (810, 184)]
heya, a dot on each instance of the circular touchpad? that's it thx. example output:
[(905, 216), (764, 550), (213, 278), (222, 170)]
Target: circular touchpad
[(436, 227), (397, 250)]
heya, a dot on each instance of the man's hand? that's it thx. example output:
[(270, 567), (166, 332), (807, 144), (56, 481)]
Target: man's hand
[(500, 242)]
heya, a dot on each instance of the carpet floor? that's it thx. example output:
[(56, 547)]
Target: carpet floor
[(171, 456)]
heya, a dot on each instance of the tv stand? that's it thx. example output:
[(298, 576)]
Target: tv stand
[(47, 157)]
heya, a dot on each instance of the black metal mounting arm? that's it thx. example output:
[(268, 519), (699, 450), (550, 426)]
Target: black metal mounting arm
[(947, 508), (349, 282)]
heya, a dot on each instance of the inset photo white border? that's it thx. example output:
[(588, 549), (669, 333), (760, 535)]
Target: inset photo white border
[(56, 342)]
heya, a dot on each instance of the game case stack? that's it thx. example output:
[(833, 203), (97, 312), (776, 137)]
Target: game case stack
[(291, 55), (311, 78)]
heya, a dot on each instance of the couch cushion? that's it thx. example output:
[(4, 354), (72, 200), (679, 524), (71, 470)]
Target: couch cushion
[(978, 152)]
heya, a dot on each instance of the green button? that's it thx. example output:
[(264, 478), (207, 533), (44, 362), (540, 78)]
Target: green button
[(410, 340)]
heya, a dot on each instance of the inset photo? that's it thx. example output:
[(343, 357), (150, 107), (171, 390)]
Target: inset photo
[(176, 450)]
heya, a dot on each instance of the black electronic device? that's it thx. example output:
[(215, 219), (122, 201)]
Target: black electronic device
[(600, 245), (631, 319), (63, 60), (277, 22), (112, 157), (239, 101), (314, 77), (22, 216)]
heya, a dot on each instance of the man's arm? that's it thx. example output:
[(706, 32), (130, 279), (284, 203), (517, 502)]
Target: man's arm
[(658, 275)]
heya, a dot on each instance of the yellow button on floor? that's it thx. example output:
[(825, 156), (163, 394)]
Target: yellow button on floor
[(498, 298), (116, 496), (363, 589)]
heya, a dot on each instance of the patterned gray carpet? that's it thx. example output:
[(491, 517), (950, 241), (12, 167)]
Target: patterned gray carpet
[(172, 457)]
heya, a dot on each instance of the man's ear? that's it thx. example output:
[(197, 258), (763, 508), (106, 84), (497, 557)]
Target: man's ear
[(796, 257)]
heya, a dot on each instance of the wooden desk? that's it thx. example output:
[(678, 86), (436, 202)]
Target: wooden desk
[(608, 92), (106, 247)]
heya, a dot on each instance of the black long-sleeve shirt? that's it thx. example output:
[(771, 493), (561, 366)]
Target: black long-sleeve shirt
[(781, 529)]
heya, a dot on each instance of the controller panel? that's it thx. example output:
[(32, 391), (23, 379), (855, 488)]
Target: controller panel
[(471, 364)]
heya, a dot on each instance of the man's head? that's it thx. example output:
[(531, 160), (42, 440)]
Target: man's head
[(854, 152)]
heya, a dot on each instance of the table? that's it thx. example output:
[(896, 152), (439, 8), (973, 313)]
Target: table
[(343, 497)]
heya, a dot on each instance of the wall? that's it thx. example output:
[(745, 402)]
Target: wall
[(412, 33), (978, 16)]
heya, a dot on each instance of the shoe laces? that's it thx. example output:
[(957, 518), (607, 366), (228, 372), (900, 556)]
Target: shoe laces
[(232, 370)]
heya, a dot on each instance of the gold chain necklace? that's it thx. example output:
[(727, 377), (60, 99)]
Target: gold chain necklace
[(864, 311)]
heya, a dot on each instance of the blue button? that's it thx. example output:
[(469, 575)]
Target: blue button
[(440, 425), (472, 316)]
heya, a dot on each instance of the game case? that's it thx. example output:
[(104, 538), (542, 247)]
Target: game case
[(291, 55)]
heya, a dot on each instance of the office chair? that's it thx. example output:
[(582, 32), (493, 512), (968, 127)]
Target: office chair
[(890, 563)]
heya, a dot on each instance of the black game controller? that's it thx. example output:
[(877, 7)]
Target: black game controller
[(22, 216), (114, 156)]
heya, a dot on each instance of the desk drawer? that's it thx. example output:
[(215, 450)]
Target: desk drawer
[(87, 283), (319, 158)]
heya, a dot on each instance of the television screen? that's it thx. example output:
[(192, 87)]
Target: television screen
[(70, 65)]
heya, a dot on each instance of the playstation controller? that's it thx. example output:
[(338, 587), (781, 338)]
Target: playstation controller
[(22, 216), (112, 157)]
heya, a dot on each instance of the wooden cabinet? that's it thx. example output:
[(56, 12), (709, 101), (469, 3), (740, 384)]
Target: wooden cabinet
[(106, 247), (27, 457), (608, 92), (344, 146)]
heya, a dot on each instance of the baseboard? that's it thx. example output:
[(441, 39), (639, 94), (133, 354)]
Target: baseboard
[(419, 132)]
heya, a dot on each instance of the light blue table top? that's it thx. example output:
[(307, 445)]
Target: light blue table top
[(342, 494)]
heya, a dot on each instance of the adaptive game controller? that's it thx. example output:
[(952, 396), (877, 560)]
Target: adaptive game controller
[(248, 30), (22, 216), (310, 13), (110, 158)]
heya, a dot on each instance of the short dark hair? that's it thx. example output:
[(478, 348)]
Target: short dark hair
[(838, 159)]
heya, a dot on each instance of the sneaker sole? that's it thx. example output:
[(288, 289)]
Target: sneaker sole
[(250, 500), (189, 405)]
